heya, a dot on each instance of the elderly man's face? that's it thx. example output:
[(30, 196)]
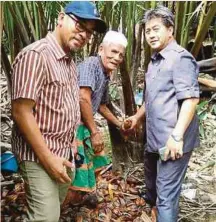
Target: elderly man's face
[(111, 55), (74, 33), (157, 34)]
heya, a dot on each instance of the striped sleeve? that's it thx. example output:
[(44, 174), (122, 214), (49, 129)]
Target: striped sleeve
[(27, 76)]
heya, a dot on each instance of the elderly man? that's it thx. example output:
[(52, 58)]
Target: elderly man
[(94, 77), (172, 93), (45, 109)]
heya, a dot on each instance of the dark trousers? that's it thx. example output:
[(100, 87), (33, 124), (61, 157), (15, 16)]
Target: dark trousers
[(163, 182)]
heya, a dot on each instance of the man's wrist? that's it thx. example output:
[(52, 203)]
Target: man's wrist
[(176, 137), (94, 133), (136, 117)]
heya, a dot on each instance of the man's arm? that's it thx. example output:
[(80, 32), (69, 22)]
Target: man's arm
[(108, 115), (22, 115), (186, 114), (207, 82), (136, 118), (88, 118)]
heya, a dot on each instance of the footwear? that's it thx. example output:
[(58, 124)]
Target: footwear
[(154, 214), (147, 199), (90, 200)]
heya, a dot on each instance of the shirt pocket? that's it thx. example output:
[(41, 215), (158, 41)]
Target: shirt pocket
[(56, 92), (164, 74)]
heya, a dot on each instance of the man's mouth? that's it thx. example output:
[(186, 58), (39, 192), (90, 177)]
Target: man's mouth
[(115, 64), (153, 42), (79, 42)]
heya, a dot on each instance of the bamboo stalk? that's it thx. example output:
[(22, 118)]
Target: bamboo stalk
[(1, 20), (129, 33), (204, 28), (214, 37), (202, 16), (136, 57), (179, 20), (29, 20), (186, 9), (18, 21), (130, 107), (188, 24), (147, 50)]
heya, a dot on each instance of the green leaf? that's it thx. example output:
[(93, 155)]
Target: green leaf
[(202, 104), (203, 116), (202, 131)]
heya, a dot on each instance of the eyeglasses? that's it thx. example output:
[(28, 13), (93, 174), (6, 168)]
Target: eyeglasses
[(80, 26)]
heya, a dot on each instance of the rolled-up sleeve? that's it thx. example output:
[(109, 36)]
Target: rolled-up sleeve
[(185, 77)]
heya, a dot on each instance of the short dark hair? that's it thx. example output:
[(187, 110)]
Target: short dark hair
[(160, 12)]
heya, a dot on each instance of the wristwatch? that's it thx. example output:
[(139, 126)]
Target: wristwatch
[(177, 138)]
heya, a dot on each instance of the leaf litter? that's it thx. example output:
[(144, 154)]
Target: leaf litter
[(119, 196)]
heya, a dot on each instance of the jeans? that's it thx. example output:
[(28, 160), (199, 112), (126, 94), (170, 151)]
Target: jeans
[(163, 183)]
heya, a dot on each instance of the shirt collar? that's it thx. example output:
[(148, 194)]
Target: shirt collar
[(55, 47), (172, 45)]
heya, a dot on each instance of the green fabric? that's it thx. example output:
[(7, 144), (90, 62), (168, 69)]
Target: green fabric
[(85, 177)]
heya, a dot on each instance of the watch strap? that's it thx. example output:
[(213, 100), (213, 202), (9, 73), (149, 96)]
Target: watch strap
[(177, 138)]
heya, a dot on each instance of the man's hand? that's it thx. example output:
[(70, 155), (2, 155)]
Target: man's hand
[(56, 168), (23, 116), (129, 123), (175, 149), (97, 142)]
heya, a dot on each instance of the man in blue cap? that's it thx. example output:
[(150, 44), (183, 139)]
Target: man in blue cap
[(45, 109)]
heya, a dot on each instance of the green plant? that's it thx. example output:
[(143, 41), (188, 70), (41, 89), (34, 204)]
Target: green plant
[(205, 108)]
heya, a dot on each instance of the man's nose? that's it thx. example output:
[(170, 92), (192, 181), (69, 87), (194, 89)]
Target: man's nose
[(117, 57), (151, 35), (84, 35)]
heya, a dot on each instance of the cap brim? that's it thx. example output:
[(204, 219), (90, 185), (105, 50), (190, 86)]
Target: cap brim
[(100, 27)]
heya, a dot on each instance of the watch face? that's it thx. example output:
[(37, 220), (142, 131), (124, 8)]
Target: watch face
[(177, 138)]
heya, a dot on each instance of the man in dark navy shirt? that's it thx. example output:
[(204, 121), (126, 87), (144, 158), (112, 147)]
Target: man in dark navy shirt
[(171, 96)]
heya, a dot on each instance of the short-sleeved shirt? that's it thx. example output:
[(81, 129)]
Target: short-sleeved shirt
[(43, 73), (171, 78), (91, 74)]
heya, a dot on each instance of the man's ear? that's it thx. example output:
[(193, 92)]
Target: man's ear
[(61, 17), (171, 30), (100, 50)]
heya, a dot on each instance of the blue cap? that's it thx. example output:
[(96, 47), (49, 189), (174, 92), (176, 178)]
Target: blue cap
[(86, 10)]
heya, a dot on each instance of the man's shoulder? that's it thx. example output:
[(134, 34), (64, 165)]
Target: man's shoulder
[(89, 60), (181, 51), (37, 46)]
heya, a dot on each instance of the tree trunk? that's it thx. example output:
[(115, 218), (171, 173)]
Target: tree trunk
[(125, 151), (208, 66)]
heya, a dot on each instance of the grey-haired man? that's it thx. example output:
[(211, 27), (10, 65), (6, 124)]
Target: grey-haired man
[(94, 78), (172, 93)]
